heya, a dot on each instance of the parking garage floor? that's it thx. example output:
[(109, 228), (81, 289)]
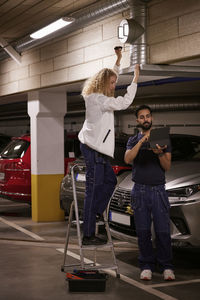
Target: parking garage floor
[(31, 255)]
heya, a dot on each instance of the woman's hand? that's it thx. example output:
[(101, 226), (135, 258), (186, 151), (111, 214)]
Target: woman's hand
[(118, 52)]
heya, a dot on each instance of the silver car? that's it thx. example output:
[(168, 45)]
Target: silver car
[(183, 186)]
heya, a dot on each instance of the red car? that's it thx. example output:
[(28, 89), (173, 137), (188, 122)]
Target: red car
[(15, 167)]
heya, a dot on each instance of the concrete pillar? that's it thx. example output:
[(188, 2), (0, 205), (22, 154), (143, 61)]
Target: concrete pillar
[(46, 111)]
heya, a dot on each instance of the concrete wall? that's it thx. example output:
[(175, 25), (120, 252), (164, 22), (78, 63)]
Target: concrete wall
[(187, 122), (14, 128), (173, 30)]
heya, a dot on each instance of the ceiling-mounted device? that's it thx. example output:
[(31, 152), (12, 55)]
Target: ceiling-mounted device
[(129, 31)]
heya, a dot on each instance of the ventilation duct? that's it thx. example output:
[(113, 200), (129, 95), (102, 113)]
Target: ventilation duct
[(139, 49), (166, 107), (158, 107)]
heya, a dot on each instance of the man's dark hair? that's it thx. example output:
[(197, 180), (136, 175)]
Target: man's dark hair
[(142, 107)]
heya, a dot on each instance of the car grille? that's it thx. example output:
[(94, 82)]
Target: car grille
[(121, 203), (120, 200), (176, 193)]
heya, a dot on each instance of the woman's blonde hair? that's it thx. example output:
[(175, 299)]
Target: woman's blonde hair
[(98, 83)]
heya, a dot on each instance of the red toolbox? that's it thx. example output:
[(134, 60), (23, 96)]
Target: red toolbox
[(86, 281)]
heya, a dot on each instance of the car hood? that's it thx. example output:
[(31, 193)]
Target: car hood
[(182, 173)]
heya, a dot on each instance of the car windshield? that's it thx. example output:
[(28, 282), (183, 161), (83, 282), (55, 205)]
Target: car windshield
[(185, 147), (16, 149)]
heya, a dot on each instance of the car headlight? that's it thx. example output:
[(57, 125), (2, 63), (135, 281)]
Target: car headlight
[(185, 191)]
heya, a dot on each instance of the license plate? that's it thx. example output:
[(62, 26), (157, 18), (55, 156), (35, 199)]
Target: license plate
[(120, 218), (80, 177), (2, 176)]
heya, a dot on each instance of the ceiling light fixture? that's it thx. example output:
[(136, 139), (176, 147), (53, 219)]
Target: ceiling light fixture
[(52, 27)]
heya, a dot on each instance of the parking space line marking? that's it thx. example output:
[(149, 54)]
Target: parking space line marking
[(27, 232), (174, 283), (147, 288), (133, 282)]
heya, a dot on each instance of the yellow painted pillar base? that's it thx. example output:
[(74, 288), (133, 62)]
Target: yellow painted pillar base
[(45, 198)]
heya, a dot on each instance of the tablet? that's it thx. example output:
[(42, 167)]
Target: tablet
[(159, 136)]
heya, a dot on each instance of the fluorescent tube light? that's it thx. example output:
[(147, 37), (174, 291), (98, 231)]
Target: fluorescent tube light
[(51, 28)]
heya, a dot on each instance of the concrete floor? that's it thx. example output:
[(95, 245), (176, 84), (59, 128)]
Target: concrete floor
[(31, 258)]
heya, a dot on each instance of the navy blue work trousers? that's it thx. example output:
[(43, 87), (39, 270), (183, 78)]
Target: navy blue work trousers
[(151, 204), (100, 185)]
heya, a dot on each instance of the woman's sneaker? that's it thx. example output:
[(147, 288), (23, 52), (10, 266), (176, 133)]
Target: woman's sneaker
[(146, 275), (168, 274)]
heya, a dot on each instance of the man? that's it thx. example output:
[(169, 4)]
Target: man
[(149, 198)]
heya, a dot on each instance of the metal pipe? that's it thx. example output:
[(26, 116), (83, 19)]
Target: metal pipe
[(158, 107), (138, 51), (195, 106)]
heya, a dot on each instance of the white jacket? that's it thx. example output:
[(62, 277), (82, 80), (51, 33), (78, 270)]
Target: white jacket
[(98, 129)]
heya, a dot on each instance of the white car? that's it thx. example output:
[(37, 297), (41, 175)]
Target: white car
[(183, 186)]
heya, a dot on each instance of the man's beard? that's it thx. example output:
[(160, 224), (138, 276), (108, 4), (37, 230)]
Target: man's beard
[(145, 126)]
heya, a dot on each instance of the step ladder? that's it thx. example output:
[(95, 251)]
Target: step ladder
[(83, 264)]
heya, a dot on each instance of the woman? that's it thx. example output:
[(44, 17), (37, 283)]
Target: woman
[(97, 139)]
